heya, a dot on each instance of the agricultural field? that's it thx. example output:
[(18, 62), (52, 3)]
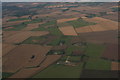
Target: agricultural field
[(60, 40)]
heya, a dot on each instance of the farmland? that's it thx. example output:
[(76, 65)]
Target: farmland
[(59, 40)]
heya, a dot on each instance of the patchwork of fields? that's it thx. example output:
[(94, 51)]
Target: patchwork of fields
[(60, 42)]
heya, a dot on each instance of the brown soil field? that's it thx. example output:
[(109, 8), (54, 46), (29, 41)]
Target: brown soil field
[(98, 27), (102, 25), (101, 37), (65, 20), (100, 20), (23, 35), (31, 26), (9, 33), (83, 29), (27, 73), (14, 23), (113, 16), (0, 49), (91, 10), (7, 48), (21, 57), (73, 14), (25, 16), (41, 15), (115, 66), (68, 30), (111, 52)]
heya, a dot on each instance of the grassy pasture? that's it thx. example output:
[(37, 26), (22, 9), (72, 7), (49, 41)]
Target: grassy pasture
[(98, 64), (80, 23), (60, 71), (52, 30)]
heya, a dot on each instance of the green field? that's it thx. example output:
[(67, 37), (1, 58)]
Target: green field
[(60, 71), (80, 23), (94, 50), (41, 38), (22, 25), (65, 39), (18, 19), (52, 30), (98, 64), (95, 62)]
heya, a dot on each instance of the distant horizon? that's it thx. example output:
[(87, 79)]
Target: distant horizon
[(59, 0)]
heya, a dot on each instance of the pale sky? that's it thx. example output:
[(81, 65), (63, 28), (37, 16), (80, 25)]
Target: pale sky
[(59, 0)]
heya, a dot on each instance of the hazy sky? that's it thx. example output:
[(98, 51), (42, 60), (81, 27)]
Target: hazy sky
[(59, 0)]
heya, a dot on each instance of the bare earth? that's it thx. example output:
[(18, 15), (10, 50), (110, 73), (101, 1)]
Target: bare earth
[(31, 26), (7, 48), (21, 57), (115, 66), (65, 20), (68, 30), (102, 25), (25, 73)]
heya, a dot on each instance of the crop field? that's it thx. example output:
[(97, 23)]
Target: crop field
[(111, 52), (98, 64), (95, 62), (23, 35), (102, 25), (65, 20), (45, 27), (31, 26), (25, 59), (7, 48), (15, 27), (32, 71), (68, 30), (83, 29), (80, 23), (115, 66), (65, 39), (15, 23), (60, 71)]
